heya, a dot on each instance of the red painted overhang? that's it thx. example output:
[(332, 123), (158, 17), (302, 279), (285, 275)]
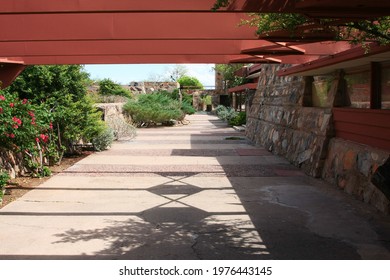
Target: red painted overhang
[(67, 6), (349, 58), (324, 8), (243, 88), (155, 31)]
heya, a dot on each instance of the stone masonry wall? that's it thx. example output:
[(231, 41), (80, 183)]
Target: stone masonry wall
[(350, 166), (278, 121)]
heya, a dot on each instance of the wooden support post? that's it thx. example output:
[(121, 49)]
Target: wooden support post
[(375, 96), (9, 72)]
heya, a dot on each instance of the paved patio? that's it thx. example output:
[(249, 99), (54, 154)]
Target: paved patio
[(200, 191)]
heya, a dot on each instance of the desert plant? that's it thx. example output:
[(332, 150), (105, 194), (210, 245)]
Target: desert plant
[(153, 108), (104, 140), (122, 128), (238, 120), (225, 113)]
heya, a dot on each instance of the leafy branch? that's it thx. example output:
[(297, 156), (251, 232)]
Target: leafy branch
[(358, 31)]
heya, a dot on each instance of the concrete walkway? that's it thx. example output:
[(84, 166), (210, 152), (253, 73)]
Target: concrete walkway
[(192, 192)]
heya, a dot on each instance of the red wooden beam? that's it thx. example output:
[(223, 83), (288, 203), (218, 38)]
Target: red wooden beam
[(242, 88), (272, 50), (346, 8), (120, 47), (352, 54), (115, 26), (75, 6), (132, 59)]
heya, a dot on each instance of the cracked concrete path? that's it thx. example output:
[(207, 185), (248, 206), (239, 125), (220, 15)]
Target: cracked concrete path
[(200, 191)]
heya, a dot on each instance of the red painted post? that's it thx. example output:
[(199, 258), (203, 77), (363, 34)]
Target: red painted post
[(9, 72)]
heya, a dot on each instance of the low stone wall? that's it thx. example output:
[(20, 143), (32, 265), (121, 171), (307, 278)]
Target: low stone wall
[(278, 121), (350, 166), (111, 110)]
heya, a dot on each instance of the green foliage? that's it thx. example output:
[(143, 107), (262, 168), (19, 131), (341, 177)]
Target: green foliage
[(219, 4), (187, 108), (207, 99), (366, 30), (186, 104), (108, 87), (46, 172), (267, 23), (228, 73), (103, 140), (238, 120), (4, 177), (62, 89), (153, 108), (188, 82), (225, 113), (357, 32)]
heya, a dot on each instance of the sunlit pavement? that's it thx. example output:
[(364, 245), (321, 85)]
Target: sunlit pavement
[(199, 191)]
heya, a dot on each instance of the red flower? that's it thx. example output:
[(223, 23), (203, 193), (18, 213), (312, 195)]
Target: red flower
[(11, 105), (31, 113), (17, 120), (12, 135), (44, 137), (2, 97), (15, 126), (1, 110), (51, 126), (24, 101), (33, 123), (37, 140)]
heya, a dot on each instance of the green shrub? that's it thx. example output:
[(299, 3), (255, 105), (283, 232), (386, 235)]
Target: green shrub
[(104, 140), (108, 87), (225, 113), (187, 108), (238, 120), (153, 108), (4, 177), (186, 105)]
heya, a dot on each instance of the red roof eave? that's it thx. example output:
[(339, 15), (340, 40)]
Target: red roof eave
[(242, 88)]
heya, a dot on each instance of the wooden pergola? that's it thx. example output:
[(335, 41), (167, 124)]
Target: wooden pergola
[(36, 32)]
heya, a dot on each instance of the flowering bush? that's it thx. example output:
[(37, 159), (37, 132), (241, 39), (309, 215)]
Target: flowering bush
[(63, 91), (26, 129)]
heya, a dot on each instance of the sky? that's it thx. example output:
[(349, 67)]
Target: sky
[(126, 73)]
